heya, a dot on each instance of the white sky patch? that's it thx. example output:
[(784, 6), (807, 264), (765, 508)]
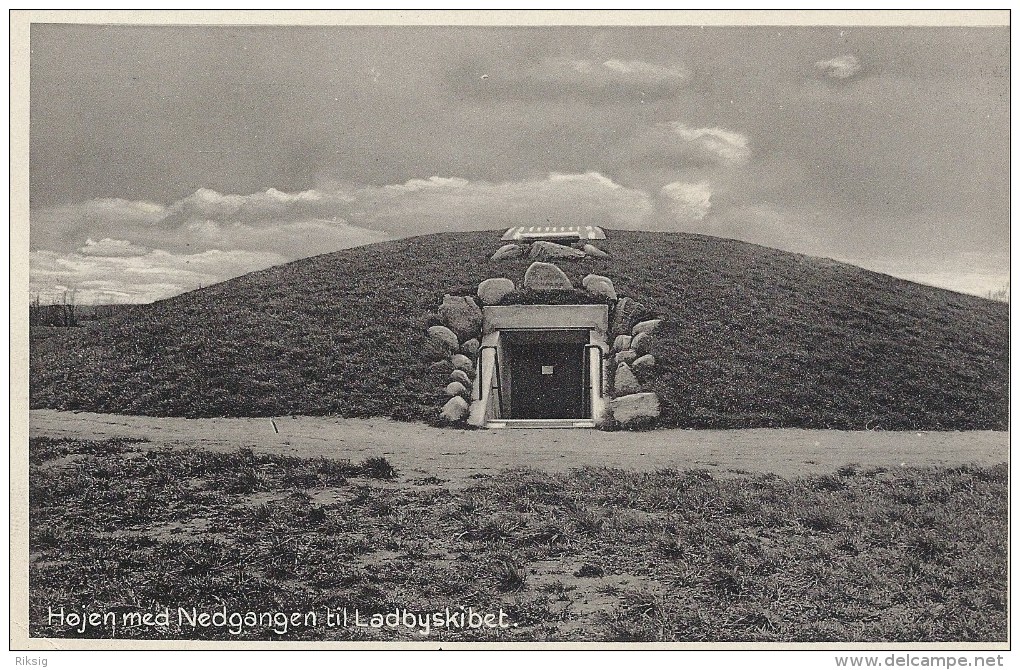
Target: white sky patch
[(129, 279), (841, 67), (573, 75), (111, 248), (729, 146), (648, 71), (972, 273), (453, 204), (688, 202), (269, 205), (289, 239), (974, 283)]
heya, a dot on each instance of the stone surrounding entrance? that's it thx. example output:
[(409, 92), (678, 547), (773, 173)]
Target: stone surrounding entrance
[(510, 362)]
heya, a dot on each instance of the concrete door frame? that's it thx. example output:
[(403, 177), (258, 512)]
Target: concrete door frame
[(491, 373)]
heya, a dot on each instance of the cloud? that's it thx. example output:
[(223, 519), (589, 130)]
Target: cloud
[(111, 248), (841, 67), (571, 77), (142, 251), (271, 220), (121, 251), (270, 205), (729, 146), (676, 144), (290, 239), (453, 204), (636, 73), (768, 225), (144, 278), (336, 216), (688, 202), (69, 226)]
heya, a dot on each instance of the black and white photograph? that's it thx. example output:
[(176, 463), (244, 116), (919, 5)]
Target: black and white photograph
[(454, 330)]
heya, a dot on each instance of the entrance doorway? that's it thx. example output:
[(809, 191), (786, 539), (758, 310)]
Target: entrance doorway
[(541, 366), (547, 374)]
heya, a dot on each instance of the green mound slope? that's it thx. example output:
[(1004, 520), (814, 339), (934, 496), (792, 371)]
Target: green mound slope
[(751, 337)]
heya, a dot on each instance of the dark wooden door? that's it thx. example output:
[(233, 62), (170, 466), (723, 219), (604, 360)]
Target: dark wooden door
[(546, 381)]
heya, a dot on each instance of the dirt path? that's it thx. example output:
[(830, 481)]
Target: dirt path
[(416, 449)]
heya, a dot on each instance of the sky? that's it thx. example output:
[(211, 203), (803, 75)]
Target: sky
[(166, 158)]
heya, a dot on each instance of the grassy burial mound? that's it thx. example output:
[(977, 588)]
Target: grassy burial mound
[(750, 337)]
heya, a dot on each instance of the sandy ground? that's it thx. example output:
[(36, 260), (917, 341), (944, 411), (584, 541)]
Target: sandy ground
[(417, 449)]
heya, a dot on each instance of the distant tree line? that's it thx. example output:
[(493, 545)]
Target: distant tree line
[(67, 313), (1000, 294), (63, 314)]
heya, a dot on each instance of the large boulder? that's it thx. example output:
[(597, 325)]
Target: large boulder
[(491, 291), (470, 348), (599, 285), (462, 377), (442, 367), (455, 409), (636, 408), (621, 342), (546, 277), (507, 251), (462, 362), (627, 312), (646, 326), (642, 343), (461, 315), (434, 351), (443, 337), (543, 250), (592, 251), (624, 382), (625, 356), (455, 389), (642, 364)]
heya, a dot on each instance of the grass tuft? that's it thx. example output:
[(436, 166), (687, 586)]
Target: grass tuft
[(377, 467), (511, 576)]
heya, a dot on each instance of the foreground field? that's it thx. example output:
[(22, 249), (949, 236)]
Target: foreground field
[(861, 554), (457, 455)]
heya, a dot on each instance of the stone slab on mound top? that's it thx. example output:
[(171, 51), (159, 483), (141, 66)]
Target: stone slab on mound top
[(546, 250), (550, 250), (508, 251)]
